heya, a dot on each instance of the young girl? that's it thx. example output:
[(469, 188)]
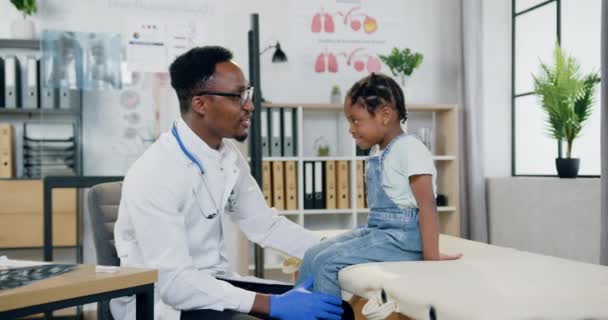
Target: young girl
[(400, 178)]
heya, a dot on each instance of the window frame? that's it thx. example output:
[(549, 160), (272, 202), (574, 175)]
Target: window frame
[(514, 95)]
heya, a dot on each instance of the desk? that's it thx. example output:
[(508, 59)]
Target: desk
[(81, 286), (49, 183)]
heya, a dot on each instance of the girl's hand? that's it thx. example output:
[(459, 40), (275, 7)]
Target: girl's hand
[(445, 256)]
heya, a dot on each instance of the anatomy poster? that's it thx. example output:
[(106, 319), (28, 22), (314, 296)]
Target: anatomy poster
[(343, 38), (120, 125)]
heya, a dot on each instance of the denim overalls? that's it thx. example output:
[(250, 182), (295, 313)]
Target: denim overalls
[(392, 234)]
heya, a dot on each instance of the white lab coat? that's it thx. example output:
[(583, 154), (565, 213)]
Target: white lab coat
[(160, 225)]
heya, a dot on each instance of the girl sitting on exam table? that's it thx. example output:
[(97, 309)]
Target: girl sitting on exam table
[(400, 180)]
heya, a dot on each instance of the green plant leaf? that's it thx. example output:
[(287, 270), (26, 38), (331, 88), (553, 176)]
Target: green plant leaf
[(566, 96), (27, 7), (402, 62), (583, 106)]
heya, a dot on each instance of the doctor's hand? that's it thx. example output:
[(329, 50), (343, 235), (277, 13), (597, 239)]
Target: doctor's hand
[(299, 303)]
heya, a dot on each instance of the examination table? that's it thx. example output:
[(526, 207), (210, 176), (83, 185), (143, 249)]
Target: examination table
[(487, 283)]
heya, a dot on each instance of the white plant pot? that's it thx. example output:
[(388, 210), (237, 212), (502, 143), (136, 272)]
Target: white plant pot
[(23, 29), (406, 87)]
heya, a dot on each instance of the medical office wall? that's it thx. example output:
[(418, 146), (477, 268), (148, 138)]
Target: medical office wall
[(114, 133), (119, 125)]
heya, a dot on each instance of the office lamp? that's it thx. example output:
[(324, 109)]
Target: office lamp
[(279, 55)]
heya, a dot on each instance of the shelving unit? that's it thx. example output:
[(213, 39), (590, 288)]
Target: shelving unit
[(22, 48), (314, 120), (22, 196)]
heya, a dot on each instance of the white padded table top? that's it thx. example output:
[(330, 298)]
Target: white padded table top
[(489, 282)]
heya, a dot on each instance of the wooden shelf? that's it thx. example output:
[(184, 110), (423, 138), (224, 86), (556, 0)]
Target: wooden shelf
[(281, 158), (270, 267), (328, 158), (38, 112), (327, 106), (430, 107), (439, 209), (30, 44), (330, 106), (288, 212), (444, 158), (446, 209), (326, 211), (436, 158)]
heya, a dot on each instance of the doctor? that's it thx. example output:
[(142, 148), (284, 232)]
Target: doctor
[(174, 195)]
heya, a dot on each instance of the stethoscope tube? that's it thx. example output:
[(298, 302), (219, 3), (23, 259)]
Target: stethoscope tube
[(185, 150), (200, 167)]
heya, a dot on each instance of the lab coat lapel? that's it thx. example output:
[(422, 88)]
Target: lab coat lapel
[(231, 176)]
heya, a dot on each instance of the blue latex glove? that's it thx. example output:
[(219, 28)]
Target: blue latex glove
[(299, 304)]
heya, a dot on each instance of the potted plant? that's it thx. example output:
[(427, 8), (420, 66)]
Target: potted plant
[(567, 99), (24, 28), (402, 62), (336, 95)]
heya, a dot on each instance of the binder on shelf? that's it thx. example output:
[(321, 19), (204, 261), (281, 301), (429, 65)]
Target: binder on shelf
[(1, 83), (63, 98), (48, 96), (342, 181), (330, 184), (30, 83), (264, 133), (267, 182), (68, 98), (309, 197), (288, 133), (12, 79), (7, 151), (318, 181), (278, 185), (275, 132), (360, 184), (291, 185)]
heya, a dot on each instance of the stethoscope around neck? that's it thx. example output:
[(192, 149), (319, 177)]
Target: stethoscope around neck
[(197, 163)]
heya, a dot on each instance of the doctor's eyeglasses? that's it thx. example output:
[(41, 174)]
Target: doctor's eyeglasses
[(244, 96)]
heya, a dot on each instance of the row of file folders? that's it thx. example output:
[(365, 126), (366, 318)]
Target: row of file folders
[(22, 86), (327, 184), (278, 131)]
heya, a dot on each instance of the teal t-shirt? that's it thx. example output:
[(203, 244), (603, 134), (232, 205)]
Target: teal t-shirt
[(407, 157)]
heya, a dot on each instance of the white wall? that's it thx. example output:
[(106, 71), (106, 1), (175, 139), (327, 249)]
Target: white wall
[(429, 26), (497, 87)]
